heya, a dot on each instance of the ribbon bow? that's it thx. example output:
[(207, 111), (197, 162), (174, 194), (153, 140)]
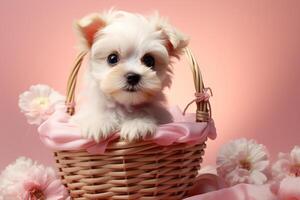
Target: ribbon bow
[(200, 96)]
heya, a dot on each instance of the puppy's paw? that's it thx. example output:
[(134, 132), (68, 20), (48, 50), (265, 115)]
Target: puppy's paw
[(136, 129), (96, 128)]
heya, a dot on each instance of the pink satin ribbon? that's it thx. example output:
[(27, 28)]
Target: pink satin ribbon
[(58, 134), (199, 97), (203, 96)]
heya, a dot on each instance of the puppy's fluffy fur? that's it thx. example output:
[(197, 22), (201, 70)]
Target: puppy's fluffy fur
[(111, 104)]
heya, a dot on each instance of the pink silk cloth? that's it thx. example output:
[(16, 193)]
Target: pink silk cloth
[(58, 133), (287, 189), (209, 186), (238, 192)]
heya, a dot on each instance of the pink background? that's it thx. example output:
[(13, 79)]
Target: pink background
[(248, 51)]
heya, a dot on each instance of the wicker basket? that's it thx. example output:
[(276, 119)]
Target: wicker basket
[(141, 170)]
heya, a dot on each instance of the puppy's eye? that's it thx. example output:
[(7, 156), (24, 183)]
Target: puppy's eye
[(148, 60), (113, 59)]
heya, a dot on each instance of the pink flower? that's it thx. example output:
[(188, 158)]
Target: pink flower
[(286, 175), (243, 161), (38, 103), (287, 165), (26, 180)]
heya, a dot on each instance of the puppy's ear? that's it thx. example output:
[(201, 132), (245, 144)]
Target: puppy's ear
[(86, 29), (175, 40)]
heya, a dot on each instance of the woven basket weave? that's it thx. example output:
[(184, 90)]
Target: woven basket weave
[(126, 171)]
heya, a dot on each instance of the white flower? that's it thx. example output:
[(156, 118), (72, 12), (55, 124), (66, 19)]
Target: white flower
[(243, 161), (27, 180), (38, 103), (287, 165), (12, 174)]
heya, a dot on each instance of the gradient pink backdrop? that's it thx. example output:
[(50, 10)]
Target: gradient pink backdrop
[(248, 50)]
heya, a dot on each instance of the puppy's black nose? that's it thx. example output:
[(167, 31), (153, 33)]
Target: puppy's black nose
[(133, 78)]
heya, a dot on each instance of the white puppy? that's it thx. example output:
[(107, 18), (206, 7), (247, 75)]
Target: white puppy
[(129, 66)]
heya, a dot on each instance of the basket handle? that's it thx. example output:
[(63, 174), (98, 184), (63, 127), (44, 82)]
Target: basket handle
[(203, 110)]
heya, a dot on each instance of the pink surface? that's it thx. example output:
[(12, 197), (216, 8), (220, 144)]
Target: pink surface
[(248, 50), (209, 186), (57, 133), (238, 192), (287, 189)]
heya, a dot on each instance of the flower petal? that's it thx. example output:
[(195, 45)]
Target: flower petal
[(257, 178), (281, 168), (56, 191), (295, 155), (261, 165)]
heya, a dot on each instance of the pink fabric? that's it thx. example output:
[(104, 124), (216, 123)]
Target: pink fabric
[(206, 183), (58, 134), (289, 189), (239, 192), (209, 184)]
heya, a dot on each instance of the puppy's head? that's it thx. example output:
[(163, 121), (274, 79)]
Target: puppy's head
[(130, 54)]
